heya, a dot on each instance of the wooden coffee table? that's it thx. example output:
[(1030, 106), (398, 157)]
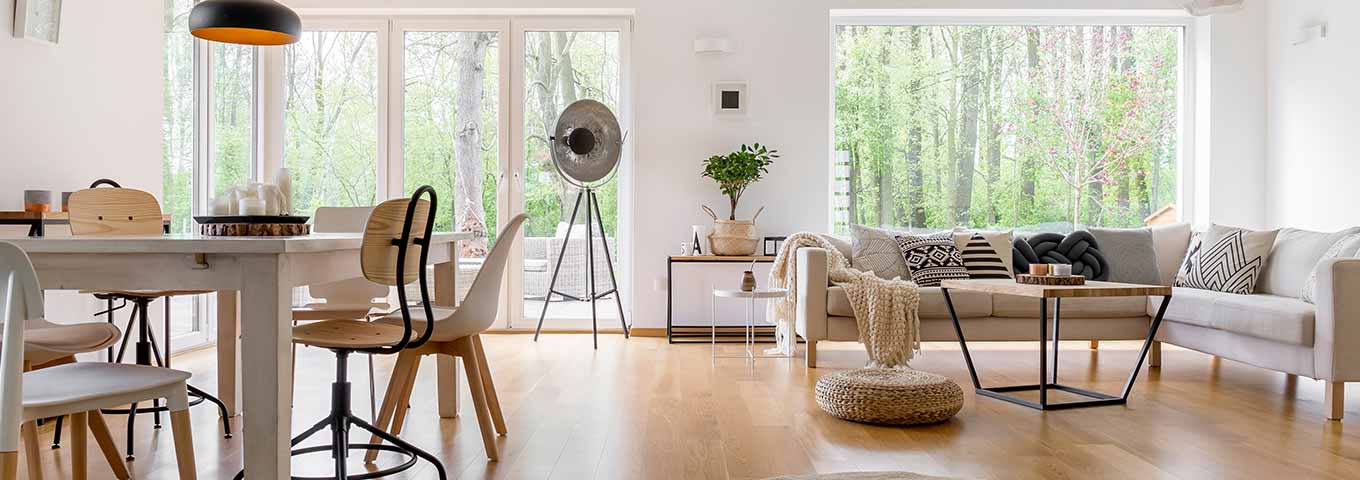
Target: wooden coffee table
[(1042, 293)]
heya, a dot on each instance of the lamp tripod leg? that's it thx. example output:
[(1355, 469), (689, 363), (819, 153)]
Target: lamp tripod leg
[(552, 284)]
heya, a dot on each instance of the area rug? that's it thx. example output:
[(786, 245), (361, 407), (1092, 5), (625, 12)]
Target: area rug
[(862, 476)]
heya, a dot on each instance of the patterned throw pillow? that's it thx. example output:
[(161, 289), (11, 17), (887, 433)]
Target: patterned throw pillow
[(980, 257), (875, 250), (1227, 259), (932, 259)]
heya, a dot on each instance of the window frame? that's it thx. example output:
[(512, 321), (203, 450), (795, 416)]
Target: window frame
[(1188, 158)]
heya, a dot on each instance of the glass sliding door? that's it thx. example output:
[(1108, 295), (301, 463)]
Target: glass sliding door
[(332, 117), (562, 62), (450, 97)]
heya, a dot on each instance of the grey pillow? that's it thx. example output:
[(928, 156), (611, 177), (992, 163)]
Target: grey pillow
[(1131, 254), (875, 250)]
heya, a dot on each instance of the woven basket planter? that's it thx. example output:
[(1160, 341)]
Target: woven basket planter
[(889, 396)]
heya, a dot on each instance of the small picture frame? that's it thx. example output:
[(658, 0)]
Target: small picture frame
[(730, 97), (38, 20), (772, 245)]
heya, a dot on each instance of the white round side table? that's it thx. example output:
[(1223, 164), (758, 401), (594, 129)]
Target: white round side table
[(751, 297)]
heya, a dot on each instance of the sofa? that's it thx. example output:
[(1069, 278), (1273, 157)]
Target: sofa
[(1272, 328)]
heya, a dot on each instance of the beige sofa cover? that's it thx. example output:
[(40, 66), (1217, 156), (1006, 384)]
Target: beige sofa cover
[(1271, 329)]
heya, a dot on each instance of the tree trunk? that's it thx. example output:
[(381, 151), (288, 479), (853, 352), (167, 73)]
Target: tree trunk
[(884, 172), (853, 201), (469, 59), (968, 127), (915, 171), (993, 99), (1029, 164)]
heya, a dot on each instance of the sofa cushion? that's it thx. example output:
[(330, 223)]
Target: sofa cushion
[(1292, 258), (1011, 306), (1269, 317), (967, 304), (1170, 242), (986, 254), (1131, 254)]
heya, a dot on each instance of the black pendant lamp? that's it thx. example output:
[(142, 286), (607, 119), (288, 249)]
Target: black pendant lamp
[(245, 22)]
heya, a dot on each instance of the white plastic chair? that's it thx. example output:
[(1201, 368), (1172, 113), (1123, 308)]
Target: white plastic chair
[(75, 389), (456, 333)]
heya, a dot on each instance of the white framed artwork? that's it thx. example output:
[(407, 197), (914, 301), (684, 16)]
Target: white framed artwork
[(730, 97), (38, 19)]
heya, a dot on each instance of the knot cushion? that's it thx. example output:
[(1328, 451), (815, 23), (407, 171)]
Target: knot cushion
[(1078, 249), (889, 396)]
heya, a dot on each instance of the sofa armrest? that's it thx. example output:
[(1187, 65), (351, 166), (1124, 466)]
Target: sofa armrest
[(1336, 337), (812, 283)]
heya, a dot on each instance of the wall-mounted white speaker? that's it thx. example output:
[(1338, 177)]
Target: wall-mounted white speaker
[(1201, 8)]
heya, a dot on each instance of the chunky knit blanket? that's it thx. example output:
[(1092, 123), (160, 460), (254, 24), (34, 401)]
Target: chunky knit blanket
[(885, 310)]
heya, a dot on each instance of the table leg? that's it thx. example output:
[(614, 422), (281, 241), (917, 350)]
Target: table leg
[(228, 353), (1043, 353), (266, 352), (446, 295), (1057, 315)]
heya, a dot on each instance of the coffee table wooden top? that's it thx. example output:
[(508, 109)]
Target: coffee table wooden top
[(1090, 289)]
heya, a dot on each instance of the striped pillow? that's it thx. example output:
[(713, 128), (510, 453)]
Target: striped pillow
[(980, 257)]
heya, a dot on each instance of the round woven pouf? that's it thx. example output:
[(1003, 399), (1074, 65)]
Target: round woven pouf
[(889, 396)]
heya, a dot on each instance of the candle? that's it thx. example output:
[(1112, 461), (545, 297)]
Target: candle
[(252, 206), (1038, 269), (1062, 269)]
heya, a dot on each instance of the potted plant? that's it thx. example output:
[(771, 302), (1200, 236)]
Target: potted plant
[(735, 172)]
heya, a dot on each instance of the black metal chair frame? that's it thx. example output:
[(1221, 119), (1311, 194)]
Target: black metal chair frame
[(341, 417)]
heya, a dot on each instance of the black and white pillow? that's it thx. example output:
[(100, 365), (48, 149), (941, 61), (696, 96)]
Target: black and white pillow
[(1226, 259), (932, 259), (980, 257)]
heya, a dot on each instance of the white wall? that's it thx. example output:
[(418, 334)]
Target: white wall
[(86, 108), (782, 48), (1236, 121), (1314, 111)]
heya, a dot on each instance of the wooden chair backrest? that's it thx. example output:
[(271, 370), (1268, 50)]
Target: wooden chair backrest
[(354, 290), (115, 212), (378, 253)]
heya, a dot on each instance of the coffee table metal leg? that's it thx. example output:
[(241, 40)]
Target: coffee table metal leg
[(1142, 354), (1057, 315), (1043, 354), (963, 344)]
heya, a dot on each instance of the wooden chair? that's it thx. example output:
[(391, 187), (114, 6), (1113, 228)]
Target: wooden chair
[(353, 299), (388, 256), (457, 333), (77, 390), (130, 212)]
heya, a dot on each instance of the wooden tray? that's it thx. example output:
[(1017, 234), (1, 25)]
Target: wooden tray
[(1068, 280), (255, 229), (254, 219)]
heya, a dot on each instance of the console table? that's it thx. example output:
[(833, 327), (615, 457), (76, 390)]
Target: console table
[(700, 330)]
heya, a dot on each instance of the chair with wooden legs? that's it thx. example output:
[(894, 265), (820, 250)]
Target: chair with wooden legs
[(388, 256), (121, 211), (457, 333), (353, 299), (77, 390)]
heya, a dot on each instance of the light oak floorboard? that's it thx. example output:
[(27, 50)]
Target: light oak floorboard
[(642, 408)]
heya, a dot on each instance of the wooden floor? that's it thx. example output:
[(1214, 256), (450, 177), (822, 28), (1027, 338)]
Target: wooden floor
[(643, 409)]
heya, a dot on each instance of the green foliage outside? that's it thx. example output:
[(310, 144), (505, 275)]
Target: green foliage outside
[(1005, 126)]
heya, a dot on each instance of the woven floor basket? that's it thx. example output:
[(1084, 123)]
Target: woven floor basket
[(889, 396)]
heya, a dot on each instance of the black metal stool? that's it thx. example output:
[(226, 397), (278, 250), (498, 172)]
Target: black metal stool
[(146, 352)]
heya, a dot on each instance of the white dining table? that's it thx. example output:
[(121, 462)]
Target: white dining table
[(253, 278)]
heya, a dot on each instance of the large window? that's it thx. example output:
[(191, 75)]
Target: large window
[(331, 140), (1025, 126)]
